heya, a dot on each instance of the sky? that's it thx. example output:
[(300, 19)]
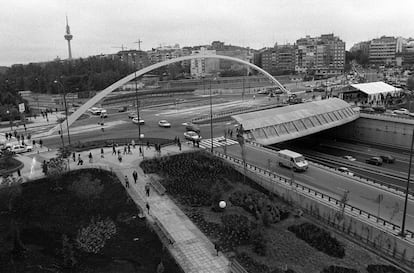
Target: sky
[(32, 30)]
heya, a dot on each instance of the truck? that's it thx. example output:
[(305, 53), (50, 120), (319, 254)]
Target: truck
[(292, 160)]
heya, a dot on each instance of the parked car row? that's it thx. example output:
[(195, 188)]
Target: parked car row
[(374, 160)]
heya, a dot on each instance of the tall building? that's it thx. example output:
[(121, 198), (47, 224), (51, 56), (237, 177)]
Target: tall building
[(279, 59), (68, 37), (203, 67), (324, 55), (383, 50)]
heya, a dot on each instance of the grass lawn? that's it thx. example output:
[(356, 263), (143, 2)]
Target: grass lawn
[(81, 222), (254, 225)]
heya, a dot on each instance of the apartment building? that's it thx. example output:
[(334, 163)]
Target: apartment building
[(204, 67), (279, 60), (383, 50)]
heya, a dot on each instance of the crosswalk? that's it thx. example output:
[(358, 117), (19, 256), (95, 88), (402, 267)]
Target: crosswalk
[(217, 142)]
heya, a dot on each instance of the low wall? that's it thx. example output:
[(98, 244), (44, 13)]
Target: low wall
[(362, 226)]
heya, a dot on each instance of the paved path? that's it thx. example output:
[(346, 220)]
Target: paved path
[(192, 249)]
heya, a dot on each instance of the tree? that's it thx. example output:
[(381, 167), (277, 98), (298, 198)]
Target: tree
[(160, 268)]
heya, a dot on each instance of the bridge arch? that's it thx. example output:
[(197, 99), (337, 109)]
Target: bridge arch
[(72, 118)]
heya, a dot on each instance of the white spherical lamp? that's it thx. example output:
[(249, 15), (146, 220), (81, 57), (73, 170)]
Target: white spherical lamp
[(222, 204)]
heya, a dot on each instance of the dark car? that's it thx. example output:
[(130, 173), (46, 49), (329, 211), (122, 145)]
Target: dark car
[(387, 158), (379, 109), (375, 160)]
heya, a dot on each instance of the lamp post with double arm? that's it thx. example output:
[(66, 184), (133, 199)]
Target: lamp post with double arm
[(66, 108)]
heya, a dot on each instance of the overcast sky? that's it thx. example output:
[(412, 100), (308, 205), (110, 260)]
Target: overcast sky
[(32, 30)]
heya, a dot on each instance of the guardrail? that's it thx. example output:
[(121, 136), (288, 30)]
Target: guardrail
[(359, 178), (235, 267), (352, 210)]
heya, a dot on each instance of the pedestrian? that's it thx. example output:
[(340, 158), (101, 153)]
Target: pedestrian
[(74, 156), (90, 157), (148, 207), (113, 149), (126, 182), (147, 189), (119, 152), (34, 143), (102, 153), (19, 173), (25, 129), (41, 143), (119, 157), (129, 149), (79, 159), (148, 145), (125, 149), (135, 176), (179, 146), (140, 150), (15, 133), (133, 143)]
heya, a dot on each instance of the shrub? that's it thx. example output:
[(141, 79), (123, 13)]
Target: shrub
[(67, 252), (258, 241), (93, 237), (250, 264), (380, 268), (319, 239), (237, 229), (338, 269)]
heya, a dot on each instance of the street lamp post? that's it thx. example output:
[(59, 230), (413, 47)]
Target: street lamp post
[(136, 101), (66, 108), (402, 233)]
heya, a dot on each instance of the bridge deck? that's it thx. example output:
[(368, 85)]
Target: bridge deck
[(281, 124)]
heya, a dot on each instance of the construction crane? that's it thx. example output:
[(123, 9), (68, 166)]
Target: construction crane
[(139, 43)]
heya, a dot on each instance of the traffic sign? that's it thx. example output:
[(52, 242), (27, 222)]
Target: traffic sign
[(21, 107)]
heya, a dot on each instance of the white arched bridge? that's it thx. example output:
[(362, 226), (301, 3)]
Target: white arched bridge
[(72, 118)]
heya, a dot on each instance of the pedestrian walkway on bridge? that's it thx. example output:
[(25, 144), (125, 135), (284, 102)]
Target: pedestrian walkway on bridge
[(286, 123)]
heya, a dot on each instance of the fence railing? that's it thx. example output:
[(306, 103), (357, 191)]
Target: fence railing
[(351, 210), (361, 179)]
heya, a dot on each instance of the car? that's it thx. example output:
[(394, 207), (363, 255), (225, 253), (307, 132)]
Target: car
[(263, 92), (375, 160), (104, 113), (122, 109), (192, 127), (387, 158), (164, 123), (401, 111), (345, 170), (95, 110), (349, 157), (191, 135), (18, 149), (132, 114), (135, 120), (368, 110), (379, 109)]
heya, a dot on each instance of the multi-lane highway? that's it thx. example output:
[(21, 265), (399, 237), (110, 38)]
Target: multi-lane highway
[(361, 195)]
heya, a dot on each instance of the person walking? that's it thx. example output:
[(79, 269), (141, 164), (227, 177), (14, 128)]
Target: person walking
[(133, 143), (147, 189), (135, 176), (113, 149), (102, 153), (119, 152), (74, 156), (148, 207), (90, 157), (125, 149), (148, 145), (41, 143), (140, 150), (126, 182), (80, 161), (129, 149)]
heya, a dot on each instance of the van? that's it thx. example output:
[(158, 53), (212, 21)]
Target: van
[(292, 160)]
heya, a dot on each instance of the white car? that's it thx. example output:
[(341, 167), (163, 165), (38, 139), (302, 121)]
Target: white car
[(135, 121), (95, 110), (104, 113), (401, 111), (18, 149), (345, 170), (191, 135), (349, 157), (164, 123)]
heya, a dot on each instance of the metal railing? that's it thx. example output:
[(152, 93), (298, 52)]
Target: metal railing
[(351, 210)]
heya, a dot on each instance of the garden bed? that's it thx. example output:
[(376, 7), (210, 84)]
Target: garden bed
[(82, 222), (254, 226)]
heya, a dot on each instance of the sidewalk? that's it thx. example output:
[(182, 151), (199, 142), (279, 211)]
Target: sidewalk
[(192, 250)]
